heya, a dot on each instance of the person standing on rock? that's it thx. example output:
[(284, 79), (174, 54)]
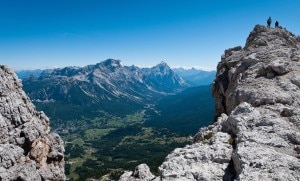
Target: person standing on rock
[(269, 22), (276, 24)]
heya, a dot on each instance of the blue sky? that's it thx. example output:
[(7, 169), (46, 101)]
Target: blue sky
[(57, 33)]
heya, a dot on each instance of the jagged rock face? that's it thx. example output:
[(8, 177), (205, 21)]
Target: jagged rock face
[(208, 160), (28, 151), (142, 172), (258, 87), (264, 72), (257, 132)]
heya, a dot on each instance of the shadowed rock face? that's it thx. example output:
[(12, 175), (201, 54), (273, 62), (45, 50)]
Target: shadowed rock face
[(28, 151), (256, 135)]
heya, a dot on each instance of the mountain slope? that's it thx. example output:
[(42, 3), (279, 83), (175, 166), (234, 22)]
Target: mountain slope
[(184, 112), (256, 136)]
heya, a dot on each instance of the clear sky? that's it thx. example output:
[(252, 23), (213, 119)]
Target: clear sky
[(57, 33)]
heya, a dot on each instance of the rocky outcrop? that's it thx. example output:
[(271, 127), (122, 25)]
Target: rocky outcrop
[(28, 151), (257, 133), (257, 88), (209, 158), (142, 172)]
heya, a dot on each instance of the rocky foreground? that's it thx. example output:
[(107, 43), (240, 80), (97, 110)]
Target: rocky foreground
[(28, 151), (257, 133)]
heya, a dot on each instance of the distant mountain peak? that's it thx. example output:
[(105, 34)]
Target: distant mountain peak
[(163, 63), (196, 76), (111, 63), (162, 67), (108, 80)]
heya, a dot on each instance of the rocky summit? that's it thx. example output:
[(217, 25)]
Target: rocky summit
[(256, 135), (28, 151)]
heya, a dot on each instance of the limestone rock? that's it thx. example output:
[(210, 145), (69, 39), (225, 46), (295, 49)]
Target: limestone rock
[(207, 160), (141, 173), (258, 88), (256, 74), (28, 151), (256, 135)]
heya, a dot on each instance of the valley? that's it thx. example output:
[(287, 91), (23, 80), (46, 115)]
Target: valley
[(94, 153), (114, 121), (106, 145), (153, 90)]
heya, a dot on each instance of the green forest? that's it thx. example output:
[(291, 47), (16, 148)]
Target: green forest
[(101, 144)]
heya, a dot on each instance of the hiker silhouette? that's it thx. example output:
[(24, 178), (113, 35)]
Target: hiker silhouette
[(276, 24), (269, 21)]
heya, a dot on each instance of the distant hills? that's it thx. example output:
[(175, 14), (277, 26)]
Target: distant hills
[(196, 77), (22, 74)]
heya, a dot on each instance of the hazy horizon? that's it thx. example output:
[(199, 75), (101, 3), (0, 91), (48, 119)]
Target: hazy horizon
[(46, 34)]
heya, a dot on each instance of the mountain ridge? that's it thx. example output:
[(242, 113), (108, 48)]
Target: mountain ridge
[(108, 86), (192, 75), (109, 73), (255, 135), (112, 72)]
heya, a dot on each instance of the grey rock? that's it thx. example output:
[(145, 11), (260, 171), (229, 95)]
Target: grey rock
[(9, 155), (126, 176), (141, 173), (25, 138), (257, 133), (207, 160), (261, 100)]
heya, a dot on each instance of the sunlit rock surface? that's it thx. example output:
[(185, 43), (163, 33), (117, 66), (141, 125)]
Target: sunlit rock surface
[(28, 151), (256, 135)]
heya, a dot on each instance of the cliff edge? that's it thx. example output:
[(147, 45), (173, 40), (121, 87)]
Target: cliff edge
[(256, 135), (28, 151)]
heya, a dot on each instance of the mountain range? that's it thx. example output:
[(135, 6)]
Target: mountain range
[(23, 74), (107, 80), (255, 135), (192, 75), (119, 112), (107, 86), (195, 76)]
